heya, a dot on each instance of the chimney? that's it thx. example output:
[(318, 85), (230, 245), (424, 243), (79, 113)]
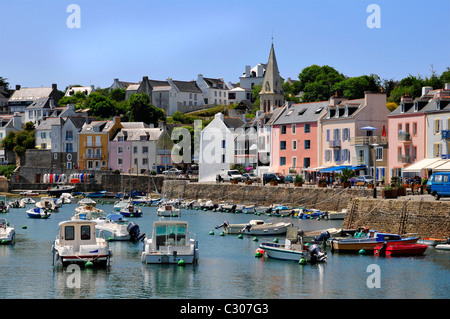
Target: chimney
[(17, 121), (447, 86), (145, 78), (426, 89), (92, 88), (54, 86), (247, 71), (17, 87), (219, 116)]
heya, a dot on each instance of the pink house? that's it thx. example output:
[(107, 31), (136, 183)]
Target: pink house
[(295, 138)]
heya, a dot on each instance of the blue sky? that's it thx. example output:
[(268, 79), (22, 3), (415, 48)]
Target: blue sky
[(128, 39)]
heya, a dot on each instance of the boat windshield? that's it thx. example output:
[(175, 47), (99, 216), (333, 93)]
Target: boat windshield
[(170, 234)]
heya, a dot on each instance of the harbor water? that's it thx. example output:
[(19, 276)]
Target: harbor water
[(227, 266)]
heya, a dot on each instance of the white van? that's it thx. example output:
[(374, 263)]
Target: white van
[(228, 175)]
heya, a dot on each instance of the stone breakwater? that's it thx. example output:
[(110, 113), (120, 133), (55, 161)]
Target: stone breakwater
[(424, 218)]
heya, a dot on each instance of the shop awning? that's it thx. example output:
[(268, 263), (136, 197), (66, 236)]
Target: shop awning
[(444, 167), (315, 168), (420, 165), (334, 169), (437, 164)]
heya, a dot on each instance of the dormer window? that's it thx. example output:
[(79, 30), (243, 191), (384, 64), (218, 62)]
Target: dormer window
[(438, 104), (416, 106), (402, 108)]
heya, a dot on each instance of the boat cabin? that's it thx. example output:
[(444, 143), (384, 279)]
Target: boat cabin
[(77, 233), (170, 233)]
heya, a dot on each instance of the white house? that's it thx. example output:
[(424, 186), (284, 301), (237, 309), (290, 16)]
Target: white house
[(214, 91), (86, 90), (9, 123), (252, 76), (217, 146)]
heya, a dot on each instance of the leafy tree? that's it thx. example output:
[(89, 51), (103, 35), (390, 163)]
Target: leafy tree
[(317, 82), (5, 84), (79, 99), (100, 105), (19, 142), (182, 118), (117, 94), (391, 106), (353, 88), (445, 76), (290, 91), (142, 110), (255, 94)]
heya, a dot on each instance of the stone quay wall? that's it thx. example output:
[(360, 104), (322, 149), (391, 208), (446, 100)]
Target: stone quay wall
[(402, 216)]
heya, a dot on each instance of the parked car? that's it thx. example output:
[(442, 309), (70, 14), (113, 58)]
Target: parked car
[(366, 179), (232, 174), (251, 176), (172, 171), (440, 185), (268, 177)]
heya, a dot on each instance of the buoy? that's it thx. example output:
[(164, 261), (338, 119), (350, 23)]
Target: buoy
[(211, 232), (89, 264), (275, 240), (4, 241), (110, 239), (181, 262), (259, 252), (240, 236), (362, 251), (24, 227), (255, 238), (222, 234), (302, 261)]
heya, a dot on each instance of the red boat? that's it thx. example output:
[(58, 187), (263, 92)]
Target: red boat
[(400, 249)]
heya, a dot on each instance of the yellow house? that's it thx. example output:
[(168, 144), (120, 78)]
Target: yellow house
[(93, 143)]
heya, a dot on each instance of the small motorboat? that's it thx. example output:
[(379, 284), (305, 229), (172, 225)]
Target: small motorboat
[(48, 204), (16, 204), (7, 232), (88, 212), (335, 215), (255, 227), (87, 201), (65, 198), (28, 200), (4, 207), (293, 249), (131, 211), (431, 241), (171, 243), (247, 209), (77, 242), (60, 189), (443, 246), (318, 236), (38, 212), (96, 194), (168, 210), (400, 249), (368, 240)]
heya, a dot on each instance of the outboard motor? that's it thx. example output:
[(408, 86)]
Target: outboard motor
[(323, 236), (225, 224), (316, 254), (382, 250), (134, 231)]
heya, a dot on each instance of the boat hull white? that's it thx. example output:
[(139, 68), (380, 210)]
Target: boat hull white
[(279, 251), (442, 247)]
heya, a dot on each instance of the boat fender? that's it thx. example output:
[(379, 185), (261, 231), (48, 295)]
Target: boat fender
[(240, 236), (302, 261), (211, 232), (361, 251), (88, 264), (181, 262), (255, 238)]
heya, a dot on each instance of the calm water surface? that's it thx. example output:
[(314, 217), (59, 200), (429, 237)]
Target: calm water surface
[(227, 267)]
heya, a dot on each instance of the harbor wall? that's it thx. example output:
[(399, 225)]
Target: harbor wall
[(421, 217), (401, 216)]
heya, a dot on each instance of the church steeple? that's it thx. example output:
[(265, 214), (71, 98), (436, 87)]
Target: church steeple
[(271, 95)]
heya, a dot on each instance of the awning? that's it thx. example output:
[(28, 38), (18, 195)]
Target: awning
[(444, 167), (420, 165), (436, 164), (315, 168), (334, 169)]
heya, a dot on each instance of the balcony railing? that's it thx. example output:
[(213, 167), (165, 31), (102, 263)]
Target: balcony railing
[(164, 152), (404, 159), (92, 144), (404, 137), (359, 160), (93, 156), (367, 140), (335, 144)]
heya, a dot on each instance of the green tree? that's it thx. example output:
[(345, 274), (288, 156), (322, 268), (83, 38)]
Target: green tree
[(317, 82), (255, 94), (117, 94), (353, 88), (100, 105), (142, 110), (79, 99), (19, 142)]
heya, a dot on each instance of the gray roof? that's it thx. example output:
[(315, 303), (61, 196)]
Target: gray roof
[(215, 83), (31, 94), (275, 114), (302, 113), (39, 103), (47, 124), (424, 104), (187, 86), (134, 134)]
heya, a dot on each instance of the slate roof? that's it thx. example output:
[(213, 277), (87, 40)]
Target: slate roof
[(233, 122), (215, 83), (187, 86), (31, 94), (47, 124), (302, 113)]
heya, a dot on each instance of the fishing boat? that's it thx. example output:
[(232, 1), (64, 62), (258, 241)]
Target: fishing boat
[(293, 249), (131, 211), (77, 242), (335, 215), (145, 200), (310, 213), (170, 243), (168, 210), (368, 240), (4, 207), (38, 212), (47, 203), (7, 232), (400, 249), (58, 190)]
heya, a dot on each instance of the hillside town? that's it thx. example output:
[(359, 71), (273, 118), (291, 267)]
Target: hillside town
[(267, 134)]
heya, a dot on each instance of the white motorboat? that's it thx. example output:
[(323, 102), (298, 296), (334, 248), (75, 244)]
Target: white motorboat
[(89, 209), (16, 204), (87, 201), (47, 203), (258, 227), (28, 200), (321, 234), (293, 249), (38, 212), (168, 210), (77, 242), (246, 209), (336, 215), (170, 243), (7, 232), (443, 246), (65, 198)]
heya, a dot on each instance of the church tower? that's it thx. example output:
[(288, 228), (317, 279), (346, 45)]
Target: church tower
[(271, 95)]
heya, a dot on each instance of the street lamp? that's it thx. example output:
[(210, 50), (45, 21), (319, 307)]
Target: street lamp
[(374, 170)]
